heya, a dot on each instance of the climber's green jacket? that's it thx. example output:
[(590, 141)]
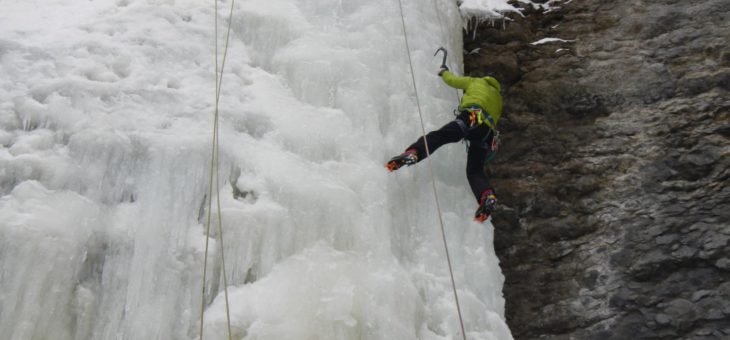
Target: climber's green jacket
[(482, 92)]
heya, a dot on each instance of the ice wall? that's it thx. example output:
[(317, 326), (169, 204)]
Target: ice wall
[(105, 109)]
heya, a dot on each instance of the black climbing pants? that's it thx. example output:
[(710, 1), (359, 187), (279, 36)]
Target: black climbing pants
[(480, 145)]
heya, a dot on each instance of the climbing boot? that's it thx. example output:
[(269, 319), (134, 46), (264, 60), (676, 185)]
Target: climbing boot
[(487, 203), (409, 158)]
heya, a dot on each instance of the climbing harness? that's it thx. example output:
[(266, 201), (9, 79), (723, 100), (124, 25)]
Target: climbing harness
[(477, 118), (214, 167), (430, 167)]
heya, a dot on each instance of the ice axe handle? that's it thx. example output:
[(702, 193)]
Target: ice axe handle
[(443, 62)]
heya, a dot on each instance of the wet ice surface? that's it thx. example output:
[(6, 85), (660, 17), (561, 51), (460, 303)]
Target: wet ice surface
[(105, 109)]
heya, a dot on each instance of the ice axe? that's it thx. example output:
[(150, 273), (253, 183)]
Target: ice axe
[(446, 68), (443, 62)]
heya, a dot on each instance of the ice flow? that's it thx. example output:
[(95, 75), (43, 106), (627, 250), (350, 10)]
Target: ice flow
[(105, 109)]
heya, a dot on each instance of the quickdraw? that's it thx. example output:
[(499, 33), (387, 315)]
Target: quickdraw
[(475, 117), (494, 147), (495, 141)]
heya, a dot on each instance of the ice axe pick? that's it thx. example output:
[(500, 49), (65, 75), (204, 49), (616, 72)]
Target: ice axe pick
[(443, 62)]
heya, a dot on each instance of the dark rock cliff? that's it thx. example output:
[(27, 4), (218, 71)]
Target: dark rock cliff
[(614, 176)]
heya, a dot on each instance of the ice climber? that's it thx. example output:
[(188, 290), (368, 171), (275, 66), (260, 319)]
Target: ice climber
[(479, 111)]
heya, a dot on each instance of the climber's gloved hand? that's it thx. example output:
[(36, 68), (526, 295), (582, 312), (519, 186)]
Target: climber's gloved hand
[(443, 69)]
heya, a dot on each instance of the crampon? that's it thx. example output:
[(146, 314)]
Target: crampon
[(409, 158), (487, 204)]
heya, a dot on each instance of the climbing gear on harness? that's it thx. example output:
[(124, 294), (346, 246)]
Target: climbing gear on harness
[(487, 204), (495, 141), (493, 147), (475, 117), (409, 158), (478, 117)]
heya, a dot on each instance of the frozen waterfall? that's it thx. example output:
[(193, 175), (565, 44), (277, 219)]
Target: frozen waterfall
[(105, 109)]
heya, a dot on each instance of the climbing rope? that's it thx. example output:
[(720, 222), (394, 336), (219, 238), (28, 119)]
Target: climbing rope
[(430, 168), (214, 171)]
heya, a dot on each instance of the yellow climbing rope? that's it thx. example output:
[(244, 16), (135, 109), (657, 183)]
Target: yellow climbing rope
[(430, 168), (214, 171)]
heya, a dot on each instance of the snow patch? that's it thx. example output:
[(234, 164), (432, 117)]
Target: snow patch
[(487, 10), (549, 40)]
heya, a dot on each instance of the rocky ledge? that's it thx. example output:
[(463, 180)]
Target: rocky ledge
[(614, 175)]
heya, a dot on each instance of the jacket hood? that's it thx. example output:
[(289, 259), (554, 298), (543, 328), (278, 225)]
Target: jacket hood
[(494, 83)]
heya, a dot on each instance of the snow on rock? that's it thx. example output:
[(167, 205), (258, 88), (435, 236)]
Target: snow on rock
[(105, 109), (486, 10), (549, 40)]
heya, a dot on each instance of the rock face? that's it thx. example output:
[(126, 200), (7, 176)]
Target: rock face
[(614, 174)]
